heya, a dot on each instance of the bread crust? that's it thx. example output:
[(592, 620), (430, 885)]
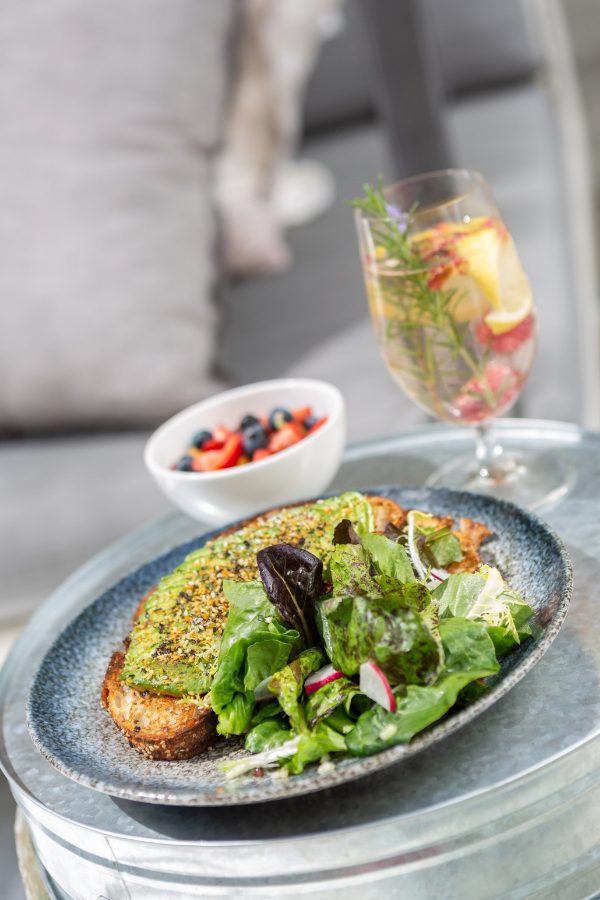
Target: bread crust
[(386, 512), (157, 726)]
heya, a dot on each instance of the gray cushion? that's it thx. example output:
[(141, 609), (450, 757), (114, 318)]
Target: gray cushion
[(63, 500), (110, 113)]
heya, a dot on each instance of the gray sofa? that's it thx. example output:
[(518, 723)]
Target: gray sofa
[(493, 106)]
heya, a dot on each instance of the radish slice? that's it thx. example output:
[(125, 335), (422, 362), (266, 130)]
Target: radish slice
[(261, 691), (318, 679), (375, 686), (438, 576)]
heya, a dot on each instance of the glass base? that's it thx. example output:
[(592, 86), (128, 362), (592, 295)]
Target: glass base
[(536, 481)]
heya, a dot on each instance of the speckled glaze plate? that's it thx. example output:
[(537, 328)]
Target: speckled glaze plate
[(72, 730)]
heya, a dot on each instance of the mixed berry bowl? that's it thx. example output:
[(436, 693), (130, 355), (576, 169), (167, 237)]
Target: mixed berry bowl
[(199, 458)]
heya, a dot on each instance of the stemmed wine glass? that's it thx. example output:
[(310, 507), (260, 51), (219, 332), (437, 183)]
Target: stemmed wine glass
[(454, 317)]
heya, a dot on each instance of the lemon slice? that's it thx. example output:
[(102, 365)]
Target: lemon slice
[(481, 251), (485, 272), (516, 299), (474, 249), (502, 320)]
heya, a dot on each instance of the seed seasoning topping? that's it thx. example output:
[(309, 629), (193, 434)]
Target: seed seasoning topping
[(174, 645)]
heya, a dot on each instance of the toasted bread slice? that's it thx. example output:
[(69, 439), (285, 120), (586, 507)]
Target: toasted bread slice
[(167, 728), (471, 535), (157, 726), (386, 512)]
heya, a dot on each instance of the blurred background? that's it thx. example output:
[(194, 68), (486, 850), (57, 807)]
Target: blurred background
[(174, 180)]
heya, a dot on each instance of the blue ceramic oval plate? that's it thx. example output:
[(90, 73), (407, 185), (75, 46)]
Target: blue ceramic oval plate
[(72, 730)]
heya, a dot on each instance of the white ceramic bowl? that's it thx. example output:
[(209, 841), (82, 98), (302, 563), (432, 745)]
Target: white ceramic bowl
[(302, 471)]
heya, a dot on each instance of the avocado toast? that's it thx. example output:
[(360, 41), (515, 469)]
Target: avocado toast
[(155, 690)]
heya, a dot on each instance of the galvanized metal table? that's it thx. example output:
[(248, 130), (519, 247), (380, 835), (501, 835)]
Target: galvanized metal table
[(508, 807)]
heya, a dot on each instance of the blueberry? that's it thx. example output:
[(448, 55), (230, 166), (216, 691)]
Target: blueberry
[(310, 421), (247, 421), (279, 417), (254, 438), (200, 438), (184, 464)]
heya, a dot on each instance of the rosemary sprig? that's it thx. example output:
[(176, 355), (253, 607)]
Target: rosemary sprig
[(424, 319)]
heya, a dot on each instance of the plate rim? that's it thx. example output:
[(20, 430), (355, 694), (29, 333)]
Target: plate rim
[(362, 766)]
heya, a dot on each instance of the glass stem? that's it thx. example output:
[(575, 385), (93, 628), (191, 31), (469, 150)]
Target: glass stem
[(487, 451)]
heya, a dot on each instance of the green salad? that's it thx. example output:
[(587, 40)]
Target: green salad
[(359, 653)]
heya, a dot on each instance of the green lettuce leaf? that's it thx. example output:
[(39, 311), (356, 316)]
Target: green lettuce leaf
[(441, 547), (233, 768), (340, 721), (469, 655), (314, 745), (503, 635), (376, 565), (255, 644), (287, 685), (235, 716), (295, 753), (342, 692), (486, 597), (382, 629), (267, 735), (264, 658), (251, 620), (414, 594), (266, 711), (429, 545), (350, 570), (388, 557)]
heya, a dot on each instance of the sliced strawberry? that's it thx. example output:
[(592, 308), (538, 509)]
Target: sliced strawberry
[(212, 444), (261, 453), (318, 424), (508, 342), (512, 340), (290, 434), (301, 414), (483, 333), (469, 408), (481, 398), (207, 461), (211, 460), (439, 276), (502, 379), (221, 433), (232, 450)]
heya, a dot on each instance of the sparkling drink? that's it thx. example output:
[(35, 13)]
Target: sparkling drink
[(453, 312), (455, 321)]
